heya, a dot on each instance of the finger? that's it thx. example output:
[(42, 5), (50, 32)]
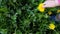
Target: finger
[(45, 6)]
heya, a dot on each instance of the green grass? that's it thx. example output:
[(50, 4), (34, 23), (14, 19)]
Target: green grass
[(22, 17)]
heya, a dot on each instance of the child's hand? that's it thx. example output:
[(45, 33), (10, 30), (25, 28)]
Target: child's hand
[(50, 3)]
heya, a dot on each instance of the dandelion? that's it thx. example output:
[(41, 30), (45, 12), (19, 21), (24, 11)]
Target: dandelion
[(58, 11), (41, 8), (52, 26), (49, 12)]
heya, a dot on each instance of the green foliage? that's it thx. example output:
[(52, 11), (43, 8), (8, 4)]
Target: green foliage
[(22, 17)]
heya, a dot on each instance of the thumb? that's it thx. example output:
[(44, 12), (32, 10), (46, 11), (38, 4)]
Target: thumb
[(48, 5)]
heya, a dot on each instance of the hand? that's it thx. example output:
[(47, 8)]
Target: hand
[(50, 3)]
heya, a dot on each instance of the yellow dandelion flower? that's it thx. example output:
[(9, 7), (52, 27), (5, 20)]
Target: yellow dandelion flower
[(41, 8), (49, 12), (52, 26), (58, 11)]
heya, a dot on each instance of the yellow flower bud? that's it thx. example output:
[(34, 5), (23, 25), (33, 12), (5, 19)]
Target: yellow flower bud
[(49, 12)]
